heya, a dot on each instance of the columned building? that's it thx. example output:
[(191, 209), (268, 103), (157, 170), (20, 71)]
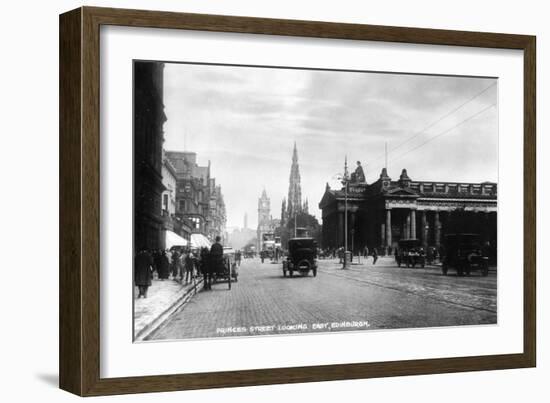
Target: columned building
[(386, 211)]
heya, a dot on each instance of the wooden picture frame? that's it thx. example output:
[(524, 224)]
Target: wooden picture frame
[(79, 346)]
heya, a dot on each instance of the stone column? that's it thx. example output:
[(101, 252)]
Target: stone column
[(408, 226), (413, 223), (351, 232), (340, 229), (486, 226), (437, 231), (383, 236), (424, 230), (388, 228)]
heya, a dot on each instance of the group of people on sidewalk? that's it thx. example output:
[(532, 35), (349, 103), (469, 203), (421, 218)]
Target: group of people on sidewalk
[(179, 265), (182, 265)]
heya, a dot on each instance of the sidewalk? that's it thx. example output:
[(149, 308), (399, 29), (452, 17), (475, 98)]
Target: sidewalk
[(164, 297)]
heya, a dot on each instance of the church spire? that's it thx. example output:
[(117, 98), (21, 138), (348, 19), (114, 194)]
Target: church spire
[(294, 200), (283, 212)]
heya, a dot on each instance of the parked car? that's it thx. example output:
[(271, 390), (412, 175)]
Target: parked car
[(302, 257), (464, 252), (410, 253)]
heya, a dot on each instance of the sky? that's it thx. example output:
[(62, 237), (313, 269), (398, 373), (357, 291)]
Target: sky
[(245, 120)]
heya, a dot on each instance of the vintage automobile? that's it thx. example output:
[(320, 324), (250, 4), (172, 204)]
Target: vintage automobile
[(224, 269), (410, 253), (268, 246), (302, 257), (464, 253)]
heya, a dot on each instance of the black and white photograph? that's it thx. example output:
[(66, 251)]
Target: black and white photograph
[(280, 201)]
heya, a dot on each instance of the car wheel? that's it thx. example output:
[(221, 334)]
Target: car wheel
[(304, 265)]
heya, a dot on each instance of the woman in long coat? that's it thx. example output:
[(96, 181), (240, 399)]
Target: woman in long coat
[(143, 272), (164, 266)]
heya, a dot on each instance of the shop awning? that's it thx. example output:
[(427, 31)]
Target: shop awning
[(199, 241), (173, 239)]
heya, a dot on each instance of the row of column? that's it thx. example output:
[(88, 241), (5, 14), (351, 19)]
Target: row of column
[(410, 228)]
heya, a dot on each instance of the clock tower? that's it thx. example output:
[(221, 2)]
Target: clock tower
[(264, 209)]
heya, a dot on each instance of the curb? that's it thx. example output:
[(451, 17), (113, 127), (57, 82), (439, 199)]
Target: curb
[(159, 320)]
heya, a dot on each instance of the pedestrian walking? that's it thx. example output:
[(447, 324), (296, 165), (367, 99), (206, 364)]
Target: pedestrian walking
[(164, 266), (143, 271), (189, 267), (175, 266), (238, 257), (374, 256), (366, 251), (341, 255)]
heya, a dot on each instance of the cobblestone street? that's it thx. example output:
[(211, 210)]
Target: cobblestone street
[(374, 297)]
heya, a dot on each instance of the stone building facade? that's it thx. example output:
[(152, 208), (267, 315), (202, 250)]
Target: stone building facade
[(149, 119), (216, 217), (199, 201), (168, 202), (386, 211)]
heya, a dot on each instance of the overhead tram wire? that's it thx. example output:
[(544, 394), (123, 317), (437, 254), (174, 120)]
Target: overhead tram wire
[(444, 132), (439, 120)]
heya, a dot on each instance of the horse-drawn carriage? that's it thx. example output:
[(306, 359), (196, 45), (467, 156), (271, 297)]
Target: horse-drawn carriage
[(410, 253), (224, 268)]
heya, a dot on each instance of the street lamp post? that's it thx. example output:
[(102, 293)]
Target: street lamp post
[(345, 182)]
